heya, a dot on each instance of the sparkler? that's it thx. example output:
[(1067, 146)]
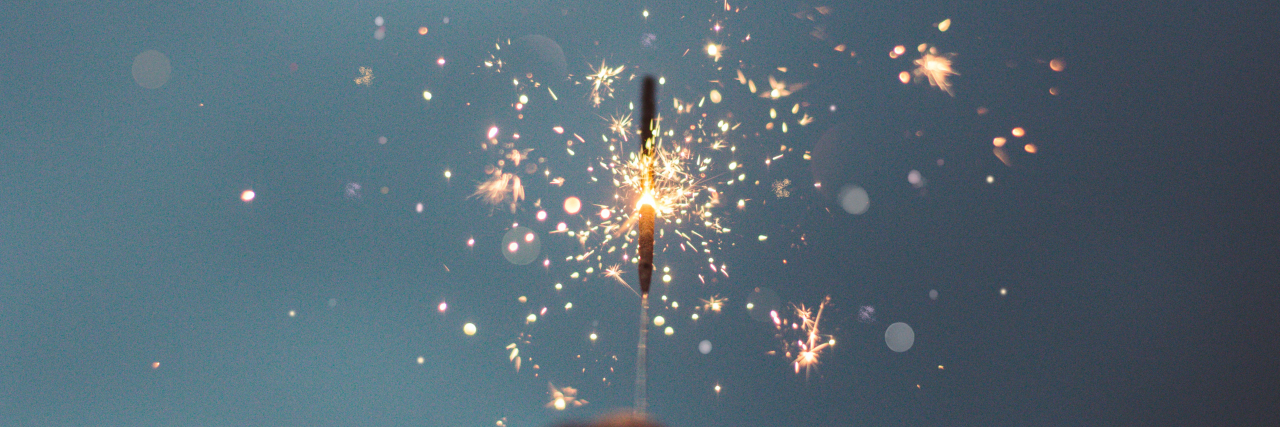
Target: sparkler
[(648, 109)]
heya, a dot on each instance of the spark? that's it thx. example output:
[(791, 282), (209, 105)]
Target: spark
[(620, 125), (500, 187), (514, 356), (780, 89), (937, 68), (602, 81), (615, 271), (516, 156), (713, 303), (806, 351), (806, 119), (715, 51), (565, 397)]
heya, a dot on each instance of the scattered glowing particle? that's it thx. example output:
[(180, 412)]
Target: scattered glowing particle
[(1004, 291), (773, 114), (904, 77), (448, 174), (897, 51), (1054, 91), (694, 316), (998, 141), (750, 306), (669, 331), (713, 50), (384, 190), (568, 306), (1057, 64), (662, 80), (666, 278), (440, 61), (939, 367), (442, 307), (558, 129), (990, 179), (531, 318), (715, 96), (418, 208), (471, 242), (704, 347), (572, 205), (524, 99), (293, 313), (605, 213), (1018, 132), (155, 365), (523, 299), (493, 132), (559, 286), (933, 294), (763, 237), (528, 237), (645, 13), (421, 360), (659, 321), (717, 388), (593, 336), (247, 196), (422, 31), (469, 329), (944, 25), (366, 77), (542, 215), (377, 22), (1031, 148), (513, 247)]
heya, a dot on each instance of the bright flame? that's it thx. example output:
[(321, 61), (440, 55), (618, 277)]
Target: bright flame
[(647, 199)]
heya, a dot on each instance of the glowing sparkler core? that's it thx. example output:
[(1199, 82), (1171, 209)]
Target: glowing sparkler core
[(646, 199)]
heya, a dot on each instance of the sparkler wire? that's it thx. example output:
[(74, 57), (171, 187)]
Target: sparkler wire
[(647, 213)]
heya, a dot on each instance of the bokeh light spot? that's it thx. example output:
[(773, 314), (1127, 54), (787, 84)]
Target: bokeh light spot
[(854, 200), (521, 246), (151, 69), (760, 302), (572, 205), (899, 337)]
